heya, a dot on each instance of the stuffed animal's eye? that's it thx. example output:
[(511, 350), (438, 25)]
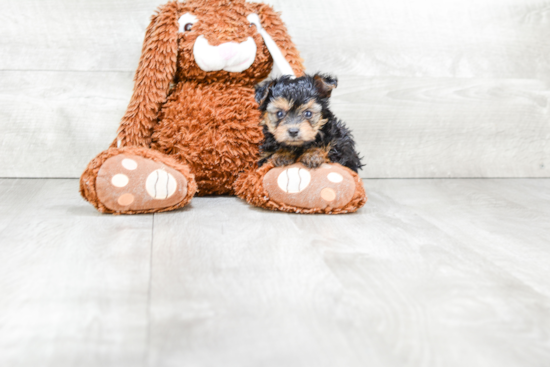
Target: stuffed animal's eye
[(186, 21), (280, 115), (308, 114)]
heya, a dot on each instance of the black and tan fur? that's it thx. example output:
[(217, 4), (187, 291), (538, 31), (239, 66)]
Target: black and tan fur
[(299, 126)]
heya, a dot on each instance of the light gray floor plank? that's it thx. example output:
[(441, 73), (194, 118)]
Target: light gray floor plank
[(424, 38), (430, 89), (505, 221), (444, 127), (73, 35), (54, 123), (388, 286), (430, 273), (73, 283)]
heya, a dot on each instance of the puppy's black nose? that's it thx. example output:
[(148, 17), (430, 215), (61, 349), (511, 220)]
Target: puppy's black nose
[(293, 131)]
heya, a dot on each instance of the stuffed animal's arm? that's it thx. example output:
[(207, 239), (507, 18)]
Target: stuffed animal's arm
[(157, 68), (272, 23)]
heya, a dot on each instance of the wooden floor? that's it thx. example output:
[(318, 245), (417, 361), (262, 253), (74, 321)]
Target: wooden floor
[(430, 273)]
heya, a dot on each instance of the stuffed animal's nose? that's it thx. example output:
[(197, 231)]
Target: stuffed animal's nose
[(228, 50), (293, 131)]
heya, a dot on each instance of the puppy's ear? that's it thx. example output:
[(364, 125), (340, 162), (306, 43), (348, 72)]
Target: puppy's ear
[(325, 84), (262, 91)]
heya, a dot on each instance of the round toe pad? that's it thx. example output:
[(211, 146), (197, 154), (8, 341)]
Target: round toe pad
[(132, 183), (330, 186)]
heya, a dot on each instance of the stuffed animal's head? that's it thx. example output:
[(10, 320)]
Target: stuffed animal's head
[(224, 40)]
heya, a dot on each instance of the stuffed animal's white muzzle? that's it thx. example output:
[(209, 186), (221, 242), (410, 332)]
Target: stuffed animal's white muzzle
[(232, 56)]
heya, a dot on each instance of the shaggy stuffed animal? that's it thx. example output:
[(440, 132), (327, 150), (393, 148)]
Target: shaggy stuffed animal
[(193, 125)]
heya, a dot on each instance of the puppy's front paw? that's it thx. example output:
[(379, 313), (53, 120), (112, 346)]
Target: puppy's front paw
[(314, 158), (280, 159)]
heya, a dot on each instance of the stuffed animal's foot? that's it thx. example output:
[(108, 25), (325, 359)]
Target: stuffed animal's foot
[(132, 183), (330, 189), (137, 180)]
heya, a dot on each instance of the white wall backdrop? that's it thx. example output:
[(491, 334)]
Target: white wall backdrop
[(431, 88)]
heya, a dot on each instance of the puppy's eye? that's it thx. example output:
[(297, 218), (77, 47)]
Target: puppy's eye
[(188, 27), (280, 115), (308, 114)]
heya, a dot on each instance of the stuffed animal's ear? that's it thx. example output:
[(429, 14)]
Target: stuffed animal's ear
[(276, 38), (262, 91), (156, 70), (325, 84)]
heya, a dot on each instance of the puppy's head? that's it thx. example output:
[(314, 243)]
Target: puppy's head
[(293, 109)]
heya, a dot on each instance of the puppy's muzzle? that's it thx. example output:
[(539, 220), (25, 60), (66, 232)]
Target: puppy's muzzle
[(293, 132)]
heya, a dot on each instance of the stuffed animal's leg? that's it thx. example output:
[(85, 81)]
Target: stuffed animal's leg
[(135, 180), (329, 189)]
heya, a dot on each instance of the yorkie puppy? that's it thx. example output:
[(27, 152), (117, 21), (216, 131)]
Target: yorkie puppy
[(299, 126)]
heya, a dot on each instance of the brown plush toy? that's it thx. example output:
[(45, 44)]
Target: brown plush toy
[(193, 125)]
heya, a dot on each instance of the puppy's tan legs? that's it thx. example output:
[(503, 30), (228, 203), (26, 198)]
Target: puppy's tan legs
[(283, 158), (314, 157)]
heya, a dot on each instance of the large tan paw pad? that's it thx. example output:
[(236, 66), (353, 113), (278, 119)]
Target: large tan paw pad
[(132, 183), (329, 186)]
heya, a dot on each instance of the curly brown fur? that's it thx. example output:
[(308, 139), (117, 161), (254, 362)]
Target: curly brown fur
[(207, 121), (167, 56), (250, 187), (296, 118), (205, 124), (88, 179)]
